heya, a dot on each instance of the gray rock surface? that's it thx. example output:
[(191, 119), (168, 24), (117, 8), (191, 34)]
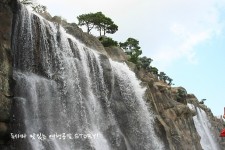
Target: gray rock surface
[(6, 17)]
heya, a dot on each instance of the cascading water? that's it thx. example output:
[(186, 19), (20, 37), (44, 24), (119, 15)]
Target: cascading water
[(69, 97), (203, 127)]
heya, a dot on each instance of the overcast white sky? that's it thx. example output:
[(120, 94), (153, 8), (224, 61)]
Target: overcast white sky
[(183, 37)]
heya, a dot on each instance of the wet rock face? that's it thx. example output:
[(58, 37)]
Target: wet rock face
[(6, 17), (175, 119)]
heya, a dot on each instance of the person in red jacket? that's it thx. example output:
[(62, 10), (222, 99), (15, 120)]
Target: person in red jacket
[(222, 133), (224, 113)]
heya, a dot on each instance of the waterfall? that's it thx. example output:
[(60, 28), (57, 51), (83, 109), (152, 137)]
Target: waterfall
[(70, 97), (203, 127)]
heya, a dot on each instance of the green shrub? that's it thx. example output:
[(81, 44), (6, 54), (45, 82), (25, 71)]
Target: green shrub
[(107, 41)]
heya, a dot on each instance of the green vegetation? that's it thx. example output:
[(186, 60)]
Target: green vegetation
[(99, 21), (154, 70), (107, 41), (169, 80), (202, 101), (132, 48), (104, 24), (181, 94), (162, 76), (165, 78), (86, 20), (145, 62)]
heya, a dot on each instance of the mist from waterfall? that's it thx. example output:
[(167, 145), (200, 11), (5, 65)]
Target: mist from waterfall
[(70, 97), (203, 127)]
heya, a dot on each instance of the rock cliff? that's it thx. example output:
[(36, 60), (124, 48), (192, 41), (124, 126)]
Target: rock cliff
[(173, 118), (6, 17)]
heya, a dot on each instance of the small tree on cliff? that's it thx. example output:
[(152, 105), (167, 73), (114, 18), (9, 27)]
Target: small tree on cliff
[(105, 24), (154, 70), (132, 48), (163, 76), (99, 21), (145, 63), (169, 80), (112, 28), (86, 20)]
